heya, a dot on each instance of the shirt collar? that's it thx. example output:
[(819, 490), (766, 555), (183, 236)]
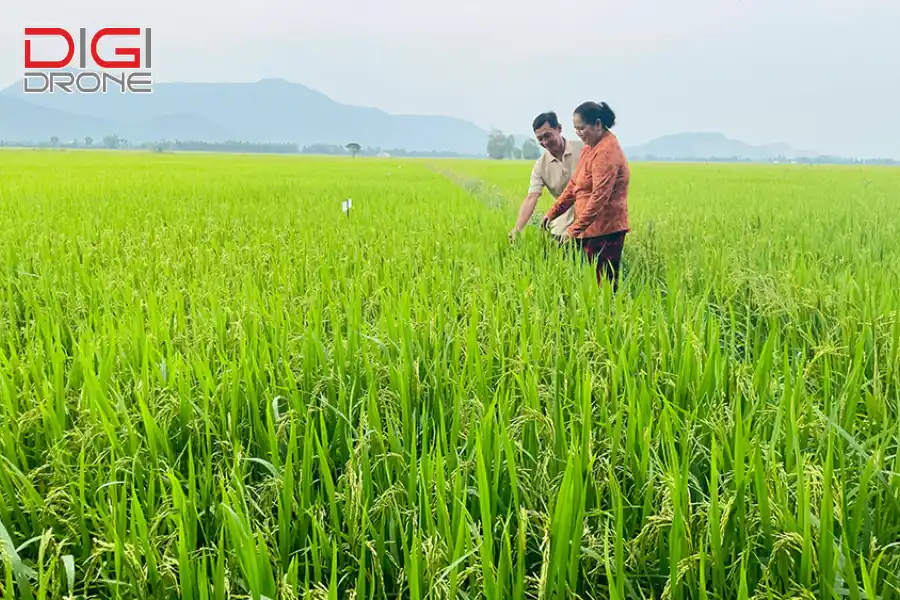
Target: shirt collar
[(567, 151)]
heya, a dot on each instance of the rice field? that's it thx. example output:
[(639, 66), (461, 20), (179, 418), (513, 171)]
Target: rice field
[(215, 384)]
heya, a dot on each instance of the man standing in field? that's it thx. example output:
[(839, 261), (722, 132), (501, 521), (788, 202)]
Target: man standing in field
[(552, 171)]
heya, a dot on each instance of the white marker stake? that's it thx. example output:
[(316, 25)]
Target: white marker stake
[(345, 206)]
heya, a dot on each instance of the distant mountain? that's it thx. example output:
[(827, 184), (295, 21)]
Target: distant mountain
[(699, 146), (23, 121), (270, 110), (278, 111)]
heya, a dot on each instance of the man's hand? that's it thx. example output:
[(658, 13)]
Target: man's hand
[(512, 235)]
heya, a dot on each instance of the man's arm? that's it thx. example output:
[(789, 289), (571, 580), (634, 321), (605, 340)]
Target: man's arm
[(603, 176), (535, 188), (527, 209)]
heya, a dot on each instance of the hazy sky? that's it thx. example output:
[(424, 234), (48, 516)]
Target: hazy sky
[(818, 74)]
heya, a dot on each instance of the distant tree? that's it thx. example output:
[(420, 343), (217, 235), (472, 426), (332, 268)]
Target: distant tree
[(111, 141), (530, 150), (88, 141), (497, 145), (354, 148), (54, 140), (510, 146)]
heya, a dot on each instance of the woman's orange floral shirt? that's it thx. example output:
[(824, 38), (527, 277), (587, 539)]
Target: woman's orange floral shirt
[(599, 190)]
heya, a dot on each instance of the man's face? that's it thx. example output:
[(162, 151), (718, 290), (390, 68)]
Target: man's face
[(549, 138)]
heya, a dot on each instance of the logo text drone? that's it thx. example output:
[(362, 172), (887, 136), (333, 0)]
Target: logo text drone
[(50, 73)]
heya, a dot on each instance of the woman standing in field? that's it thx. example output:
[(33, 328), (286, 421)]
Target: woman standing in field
[(599, 191)]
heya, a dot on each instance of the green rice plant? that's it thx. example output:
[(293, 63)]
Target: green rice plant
[(215, 384)]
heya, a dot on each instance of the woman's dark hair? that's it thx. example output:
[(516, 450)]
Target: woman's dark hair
[(591, 112), (547, 117)]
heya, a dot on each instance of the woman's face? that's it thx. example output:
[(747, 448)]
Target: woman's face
[(588, 133)]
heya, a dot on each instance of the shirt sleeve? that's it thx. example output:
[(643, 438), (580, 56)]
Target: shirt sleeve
[(603, 176), (564, 201), (537, 180)]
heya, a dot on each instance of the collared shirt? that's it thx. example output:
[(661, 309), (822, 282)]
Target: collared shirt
[(554, 174), (598, 191)]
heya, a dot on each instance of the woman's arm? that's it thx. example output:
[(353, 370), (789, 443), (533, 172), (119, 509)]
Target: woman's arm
[(564, 201), (567, 198)]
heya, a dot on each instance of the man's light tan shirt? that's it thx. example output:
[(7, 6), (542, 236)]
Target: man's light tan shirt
[(554, 174)]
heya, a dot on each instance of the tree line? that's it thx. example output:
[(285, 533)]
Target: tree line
[(108, 141), (112, 142), (499, 147), (799, 160), (502, 146)]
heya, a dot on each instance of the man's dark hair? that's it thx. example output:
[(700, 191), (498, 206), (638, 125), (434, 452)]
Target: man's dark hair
[(547, 117), (591, 112)]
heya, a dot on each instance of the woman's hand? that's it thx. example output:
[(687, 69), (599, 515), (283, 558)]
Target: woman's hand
[(565, 237), (545, 222)]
